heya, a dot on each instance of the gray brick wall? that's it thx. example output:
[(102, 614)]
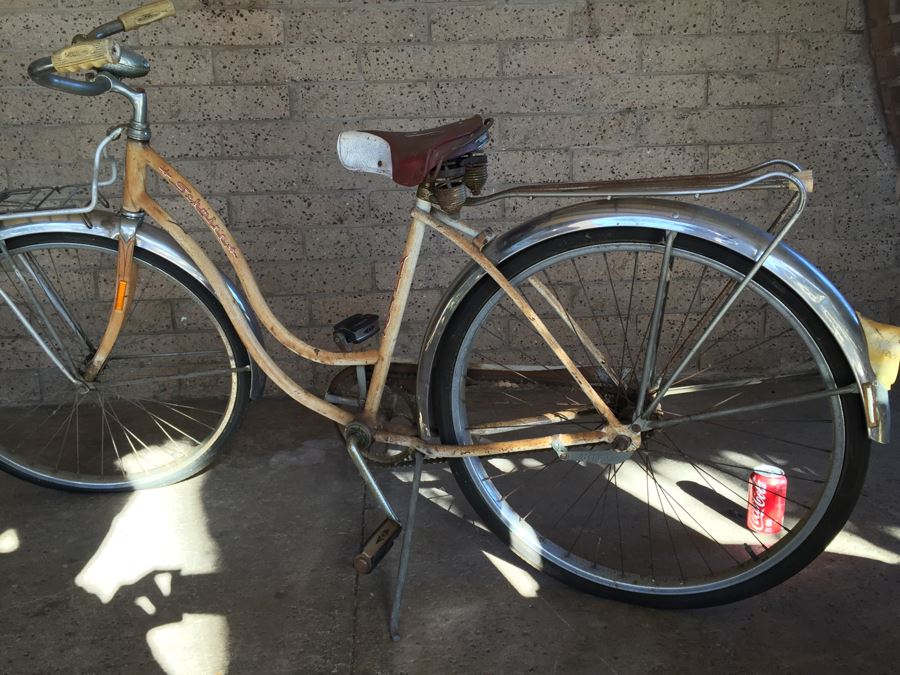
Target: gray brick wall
[(247, 96)]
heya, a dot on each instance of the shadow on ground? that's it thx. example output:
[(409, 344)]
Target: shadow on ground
[(247, 568)]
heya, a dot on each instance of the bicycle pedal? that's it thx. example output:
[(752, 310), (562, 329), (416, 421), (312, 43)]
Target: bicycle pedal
[(376, 546), (355, 329)]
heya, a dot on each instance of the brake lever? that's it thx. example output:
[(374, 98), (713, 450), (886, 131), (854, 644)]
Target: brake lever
[(105, 30)]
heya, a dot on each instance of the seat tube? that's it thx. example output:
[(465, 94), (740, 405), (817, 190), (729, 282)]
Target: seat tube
[(399, 299)]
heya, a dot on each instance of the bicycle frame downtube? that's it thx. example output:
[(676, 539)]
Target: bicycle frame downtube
[(256, 350), (237, 260), (139, 156)]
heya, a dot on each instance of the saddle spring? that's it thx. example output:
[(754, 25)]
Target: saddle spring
[(454, 177)]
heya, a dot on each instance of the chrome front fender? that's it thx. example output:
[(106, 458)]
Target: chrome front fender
[(735, 234), (151, 238)]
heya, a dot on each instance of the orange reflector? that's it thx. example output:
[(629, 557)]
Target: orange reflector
[(120, 295)]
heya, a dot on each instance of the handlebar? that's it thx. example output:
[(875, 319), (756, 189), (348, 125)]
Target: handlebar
[(92, 51), (43, 72)]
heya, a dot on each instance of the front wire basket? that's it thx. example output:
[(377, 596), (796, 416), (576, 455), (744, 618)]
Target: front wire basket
[(54, 200)]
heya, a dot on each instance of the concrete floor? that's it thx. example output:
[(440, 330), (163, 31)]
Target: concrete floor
[(247, 569)]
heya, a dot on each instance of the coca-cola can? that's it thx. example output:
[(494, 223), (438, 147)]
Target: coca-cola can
[(766, 499)]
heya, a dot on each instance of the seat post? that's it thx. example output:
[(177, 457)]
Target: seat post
[(423, 198), (408, 260)]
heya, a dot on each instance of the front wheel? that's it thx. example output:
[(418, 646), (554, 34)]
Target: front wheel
[(173, 390), (668, 526)]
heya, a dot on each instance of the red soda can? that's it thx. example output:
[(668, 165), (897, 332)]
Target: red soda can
[(765, 502)]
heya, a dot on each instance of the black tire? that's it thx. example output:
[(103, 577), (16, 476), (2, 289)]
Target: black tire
[(846, 487), (239, 387)]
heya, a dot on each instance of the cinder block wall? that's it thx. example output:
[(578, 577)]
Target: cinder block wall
[(248, 96)]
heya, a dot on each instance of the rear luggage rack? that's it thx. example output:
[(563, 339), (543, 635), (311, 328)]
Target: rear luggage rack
[(791, 176), (773, 174), (55, 200)]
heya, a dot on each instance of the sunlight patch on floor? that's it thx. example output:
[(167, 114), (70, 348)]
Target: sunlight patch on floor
[(443, 499), (847, 543), (157, 530), (406, 476), (523, 583), (502, 463), (154, 456), (9, 541), (158, 537), (193, 646), (677, 505), (437, 496)]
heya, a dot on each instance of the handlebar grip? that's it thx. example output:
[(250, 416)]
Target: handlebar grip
[(85, 56), (152, 11)]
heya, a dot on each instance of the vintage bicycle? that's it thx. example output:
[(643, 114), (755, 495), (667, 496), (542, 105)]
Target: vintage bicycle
[(602, 378)]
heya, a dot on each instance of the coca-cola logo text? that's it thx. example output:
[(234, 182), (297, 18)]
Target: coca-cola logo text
[(758, 512)]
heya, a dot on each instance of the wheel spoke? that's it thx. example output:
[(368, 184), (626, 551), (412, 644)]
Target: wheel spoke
[(652, 476), (788, 400)]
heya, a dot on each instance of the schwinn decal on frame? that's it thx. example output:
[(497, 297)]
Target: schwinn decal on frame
[(207, 215)]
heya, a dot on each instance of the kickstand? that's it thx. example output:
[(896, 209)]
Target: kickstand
[(403, 569)]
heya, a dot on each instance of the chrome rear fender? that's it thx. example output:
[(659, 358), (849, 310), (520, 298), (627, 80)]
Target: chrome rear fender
[(150, 238), (720, 228)]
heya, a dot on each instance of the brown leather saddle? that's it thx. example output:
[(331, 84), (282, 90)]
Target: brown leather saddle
[(409, 157)]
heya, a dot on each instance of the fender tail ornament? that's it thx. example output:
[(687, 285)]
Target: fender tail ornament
[(883, 341)]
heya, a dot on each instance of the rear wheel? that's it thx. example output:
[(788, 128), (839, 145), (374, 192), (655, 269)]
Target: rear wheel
[(172, 391), (666, 525)]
